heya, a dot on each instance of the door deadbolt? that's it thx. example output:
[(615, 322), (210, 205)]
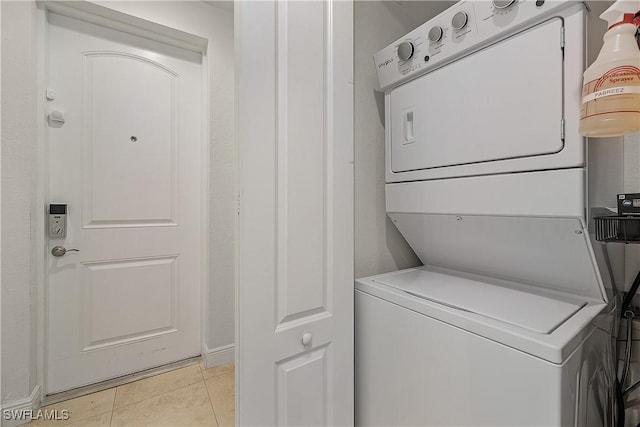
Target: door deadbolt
[(57, 220)]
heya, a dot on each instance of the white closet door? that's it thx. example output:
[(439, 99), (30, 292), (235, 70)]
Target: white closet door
[(295, 281)]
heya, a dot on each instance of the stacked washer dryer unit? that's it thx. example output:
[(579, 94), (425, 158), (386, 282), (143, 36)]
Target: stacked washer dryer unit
[(509, 322)]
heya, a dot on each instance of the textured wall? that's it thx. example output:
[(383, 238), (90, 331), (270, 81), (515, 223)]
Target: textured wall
[(18, 177), (632, 267), (379, 247), (632, 185)]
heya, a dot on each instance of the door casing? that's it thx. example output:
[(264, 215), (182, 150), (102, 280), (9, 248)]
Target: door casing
[(110, 18)]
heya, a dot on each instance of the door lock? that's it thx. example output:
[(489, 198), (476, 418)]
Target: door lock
[(59, 251), (57, 220)]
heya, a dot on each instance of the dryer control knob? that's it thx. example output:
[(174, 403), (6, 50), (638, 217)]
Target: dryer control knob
[(435, 34), (459, 20), (405, 51), (503, 4)]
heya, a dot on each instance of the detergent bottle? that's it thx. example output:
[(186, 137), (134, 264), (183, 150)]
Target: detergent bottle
[(611, 86)]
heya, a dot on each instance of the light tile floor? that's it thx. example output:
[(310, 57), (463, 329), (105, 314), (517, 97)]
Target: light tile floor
[(191, 396)]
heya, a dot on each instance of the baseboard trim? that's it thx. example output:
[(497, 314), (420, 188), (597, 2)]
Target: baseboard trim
[(218, 356), (31, 403)]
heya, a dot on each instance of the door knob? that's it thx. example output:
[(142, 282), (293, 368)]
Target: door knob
[(61, 250), (306, 339)]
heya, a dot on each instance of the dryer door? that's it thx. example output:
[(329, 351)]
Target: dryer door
[(502, 102)]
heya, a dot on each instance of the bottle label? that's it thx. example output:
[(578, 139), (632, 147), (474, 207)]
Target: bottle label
[(618, 90), (609, 92)]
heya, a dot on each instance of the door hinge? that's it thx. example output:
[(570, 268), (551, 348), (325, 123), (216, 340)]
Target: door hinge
[(562, 129), (562, 38), (238, 204)]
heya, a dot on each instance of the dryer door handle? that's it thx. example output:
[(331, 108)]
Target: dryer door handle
[(408, 119)]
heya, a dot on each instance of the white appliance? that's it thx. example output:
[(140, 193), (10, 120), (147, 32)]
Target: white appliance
[(510, 320)]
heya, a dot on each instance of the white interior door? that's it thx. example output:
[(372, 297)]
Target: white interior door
[(295, 280), (126, 161)]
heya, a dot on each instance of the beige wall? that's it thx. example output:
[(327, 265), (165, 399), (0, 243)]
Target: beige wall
[(379, 247), (632, 266), (18, 190), (632, 185)]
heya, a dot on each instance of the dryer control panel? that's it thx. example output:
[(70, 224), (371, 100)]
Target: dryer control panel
[(459, 30)]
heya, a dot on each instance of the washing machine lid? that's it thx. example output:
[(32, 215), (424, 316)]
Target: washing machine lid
[(550, 253), (532, 311)]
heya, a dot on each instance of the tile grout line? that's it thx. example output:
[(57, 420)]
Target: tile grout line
[(139, 401), (73, 421), (113, 406), (211, 403), (117, 382), (218, 374), (215, 417), (158, 395)]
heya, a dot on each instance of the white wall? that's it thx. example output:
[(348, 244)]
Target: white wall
[(379, 247), (632, 185), (632, 266), (0, 213), (619, 159), (18, 216), (18, 176)]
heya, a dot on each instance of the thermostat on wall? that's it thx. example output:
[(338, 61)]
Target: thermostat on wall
[(629, 204)]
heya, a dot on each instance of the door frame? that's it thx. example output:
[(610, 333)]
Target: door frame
[(116, 20)]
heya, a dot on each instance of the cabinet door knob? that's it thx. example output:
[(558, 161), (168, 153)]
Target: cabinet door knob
[(306, 339)]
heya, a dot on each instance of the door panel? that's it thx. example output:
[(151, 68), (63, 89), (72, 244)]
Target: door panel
[(127, 162), (146, 300), (295, 290), (521, 113), (301, 146), (130, 117), (299, 404)]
